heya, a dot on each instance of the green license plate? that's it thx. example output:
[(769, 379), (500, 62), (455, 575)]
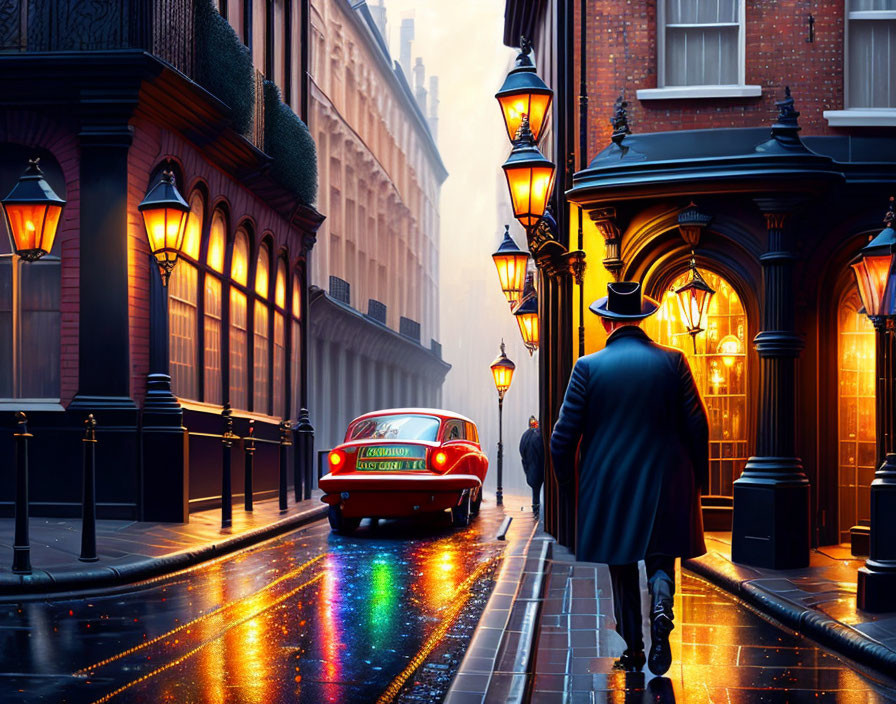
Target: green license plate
[(391, 458)]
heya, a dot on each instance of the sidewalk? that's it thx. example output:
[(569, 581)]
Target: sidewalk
[(131, 551)]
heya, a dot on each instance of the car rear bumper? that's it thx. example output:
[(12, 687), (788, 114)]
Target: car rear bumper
[(382, 495)]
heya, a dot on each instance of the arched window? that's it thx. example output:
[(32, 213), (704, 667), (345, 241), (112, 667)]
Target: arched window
[(261, 335), (239, 323), (217, 240), (280, 340), (183, 307), (294, 363)]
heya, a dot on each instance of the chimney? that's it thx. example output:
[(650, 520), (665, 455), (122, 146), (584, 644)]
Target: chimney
[(434, 106), (419, 89), (378, 12), (407, 36)]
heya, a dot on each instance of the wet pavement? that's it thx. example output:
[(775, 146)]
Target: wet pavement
[(309, 617)]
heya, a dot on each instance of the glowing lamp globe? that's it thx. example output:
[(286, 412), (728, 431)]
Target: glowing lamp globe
[(526, 315), (502, 371), (524, 94), (875, 270), (729, 348), (511, 263), (530, 178), (165, 215), (693, 301), (32, 214)]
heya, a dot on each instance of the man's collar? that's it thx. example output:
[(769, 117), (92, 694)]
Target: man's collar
[(627, 331)]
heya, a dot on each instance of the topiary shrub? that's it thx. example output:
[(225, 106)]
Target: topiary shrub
[(224, 65), (288, 142)]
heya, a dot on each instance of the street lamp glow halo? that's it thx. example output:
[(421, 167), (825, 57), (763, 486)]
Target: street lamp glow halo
[(32, 210), (511, 263), (165, 214)]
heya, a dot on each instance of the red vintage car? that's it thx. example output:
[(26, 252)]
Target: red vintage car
[(403, 462)]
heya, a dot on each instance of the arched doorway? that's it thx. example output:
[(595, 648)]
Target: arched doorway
[(719, 365), (856, 413)]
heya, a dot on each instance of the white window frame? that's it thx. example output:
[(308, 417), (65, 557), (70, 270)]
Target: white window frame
[(859, 116), (664, 92)]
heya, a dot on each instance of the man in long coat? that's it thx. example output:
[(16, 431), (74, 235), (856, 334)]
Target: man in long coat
[(532, 455), (636, 416)]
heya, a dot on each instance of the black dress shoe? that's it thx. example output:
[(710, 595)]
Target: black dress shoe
[(660, 652), (631, 661)]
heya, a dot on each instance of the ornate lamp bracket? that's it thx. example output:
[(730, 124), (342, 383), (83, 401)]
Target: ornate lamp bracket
[(691, 223), (576, 265)]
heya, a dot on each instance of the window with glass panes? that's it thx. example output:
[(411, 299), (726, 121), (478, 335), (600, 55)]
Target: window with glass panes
[(260, 333), (213, 310), (701, 42), (183, 307), (239, 322), (279, 378), (295, 348), (871, 54)]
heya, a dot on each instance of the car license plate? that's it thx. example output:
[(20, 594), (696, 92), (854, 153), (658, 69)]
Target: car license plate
[(391, 458)]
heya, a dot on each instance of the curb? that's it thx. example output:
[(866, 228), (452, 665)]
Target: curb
[(98, 578), (818, 626)]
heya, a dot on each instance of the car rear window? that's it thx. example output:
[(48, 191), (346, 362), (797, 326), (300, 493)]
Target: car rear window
[(409, 427)]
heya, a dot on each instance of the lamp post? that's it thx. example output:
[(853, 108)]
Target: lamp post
[(693, 300), (875, 271), (511, 262), (502, 371)]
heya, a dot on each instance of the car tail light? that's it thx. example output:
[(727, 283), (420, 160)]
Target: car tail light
[(337, 460), (439, 460)]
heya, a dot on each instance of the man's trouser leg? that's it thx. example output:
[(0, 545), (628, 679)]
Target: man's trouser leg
[(660, 582), (536, 498), (627, 604)]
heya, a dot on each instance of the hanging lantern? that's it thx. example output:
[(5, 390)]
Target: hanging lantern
[(875, 271), (524, 94), (32, 214), (530, 178), (693, 300), (526, 315), (502, 371), (165, 218), (511, 263)]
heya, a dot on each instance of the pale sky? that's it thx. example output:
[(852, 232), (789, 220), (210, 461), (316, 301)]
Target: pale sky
[(460, 42)]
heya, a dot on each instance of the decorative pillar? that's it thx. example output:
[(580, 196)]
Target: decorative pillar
[(771, 497), (605, 220)]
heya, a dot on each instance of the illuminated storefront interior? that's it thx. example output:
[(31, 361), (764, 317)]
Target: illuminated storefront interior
[(856, 414), (719, 366)]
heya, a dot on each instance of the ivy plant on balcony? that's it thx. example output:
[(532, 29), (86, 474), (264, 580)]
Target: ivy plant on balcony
[(288, 142), (224, 65)]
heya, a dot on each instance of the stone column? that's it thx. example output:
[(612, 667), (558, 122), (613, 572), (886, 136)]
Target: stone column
[(771, 498)]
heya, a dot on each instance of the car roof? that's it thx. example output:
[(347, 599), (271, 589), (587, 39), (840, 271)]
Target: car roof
[(443, 414)]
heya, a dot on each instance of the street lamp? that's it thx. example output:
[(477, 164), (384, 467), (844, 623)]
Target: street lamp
[(875, 270), (502, 371), (524, 94), (32, 212), (165, 215), (693, 299), (526, 315), (511, 263), (530, 177)]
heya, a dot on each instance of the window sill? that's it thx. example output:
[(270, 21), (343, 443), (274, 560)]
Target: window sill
[(861, 117), (692, 92), (30, 405)]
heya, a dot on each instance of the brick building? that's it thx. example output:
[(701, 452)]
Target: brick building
[(109, 98), (375, 273), (774, 190)]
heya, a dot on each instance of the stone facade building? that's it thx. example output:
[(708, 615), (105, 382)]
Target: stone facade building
[(375, 308)]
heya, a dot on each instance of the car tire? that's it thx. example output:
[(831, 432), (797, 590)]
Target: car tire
[(341, 524), (460, 514), (477, 504)]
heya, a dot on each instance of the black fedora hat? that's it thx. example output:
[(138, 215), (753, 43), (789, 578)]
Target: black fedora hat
[(624, 302)]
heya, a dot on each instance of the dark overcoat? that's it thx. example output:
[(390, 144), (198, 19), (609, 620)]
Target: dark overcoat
[(532, 455), (644, 453)]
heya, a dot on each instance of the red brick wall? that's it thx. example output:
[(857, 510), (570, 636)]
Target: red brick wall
[(621, 50), (153, 145), (60, 138)]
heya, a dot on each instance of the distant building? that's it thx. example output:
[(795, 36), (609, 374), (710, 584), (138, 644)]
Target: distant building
[(375, 309)]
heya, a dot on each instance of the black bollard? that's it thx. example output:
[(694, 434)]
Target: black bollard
[(285, 432), (21, 546), (305, 451), (88, 505), (226, 445), (249, 449)]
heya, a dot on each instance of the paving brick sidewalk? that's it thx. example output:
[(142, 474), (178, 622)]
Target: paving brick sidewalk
[(130, 551)]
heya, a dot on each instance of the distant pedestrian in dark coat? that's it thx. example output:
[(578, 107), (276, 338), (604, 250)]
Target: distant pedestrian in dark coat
[(532, 454), (643, 461)]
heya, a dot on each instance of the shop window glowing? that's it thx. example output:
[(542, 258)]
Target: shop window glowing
[(729, 348), (32, 214), (262, 272), (280, 285), (239, 267), (216, 240), (165, 215), (502, 371), (511, 263)]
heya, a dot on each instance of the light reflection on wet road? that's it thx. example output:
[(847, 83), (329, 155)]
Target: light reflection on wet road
[(310, 617)]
